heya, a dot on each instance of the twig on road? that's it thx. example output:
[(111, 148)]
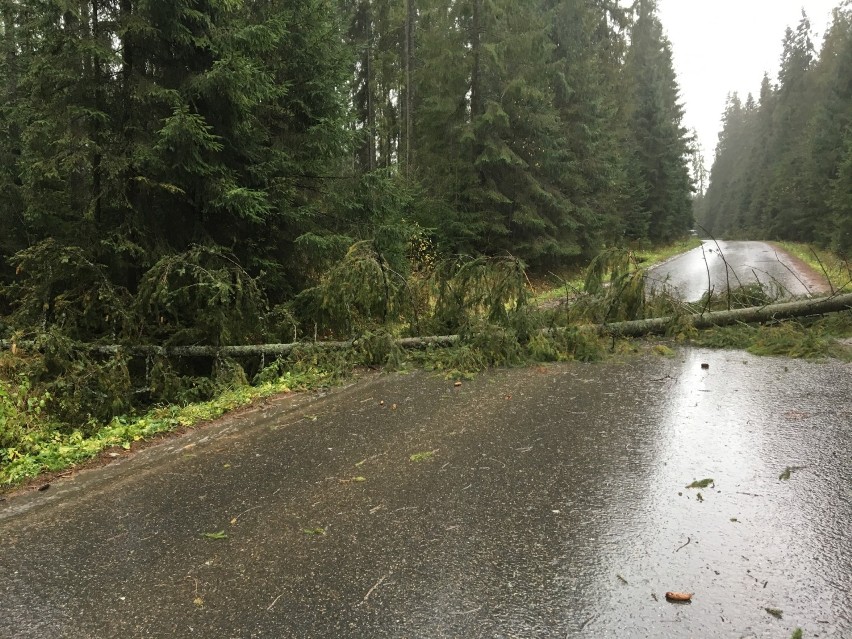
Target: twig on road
[(587, 622), (275, 601), (248, 510), (371, 590)]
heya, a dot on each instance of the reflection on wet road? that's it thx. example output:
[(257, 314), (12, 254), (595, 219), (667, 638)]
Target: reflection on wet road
[(554, 504), (719, 265)]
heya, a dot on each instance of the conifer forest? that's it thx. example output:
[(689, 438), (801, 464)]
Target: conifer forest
[(164, 161), (180, 173), (783, 167)]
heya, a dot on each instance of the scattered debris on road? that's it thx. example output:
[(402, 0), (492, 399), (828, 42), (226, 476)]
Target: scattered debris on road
[(789, 471), (704, 483), (679, 596)]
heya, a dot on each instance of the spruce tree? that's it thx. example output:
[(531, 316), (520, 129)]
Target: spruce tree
[(787, 214), (659, 143), (148, 128), (589, 46), (827, 132)]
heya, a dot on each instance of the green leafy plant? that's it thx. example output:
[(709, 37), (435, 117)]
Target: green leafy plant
[(215, 535)]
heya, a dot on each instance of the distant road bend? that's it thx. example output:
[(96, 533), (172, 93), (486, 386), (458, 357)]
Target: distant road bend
[(735, 263)]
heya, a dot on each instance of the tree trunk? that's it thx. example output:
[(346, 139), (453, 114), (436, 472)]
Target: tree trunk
[(408, 126), (371, 100), (773, 312), (97, 79), (637, 328), (476, 71)]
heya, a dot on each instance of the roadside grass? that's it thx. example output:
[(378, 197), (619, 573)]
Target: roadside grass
[(657, 255), (42, 446), (837, 270), (565, 284)]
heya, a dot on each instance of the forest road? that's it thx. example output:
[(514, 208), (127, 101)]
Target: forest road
[(734, 264), (537, 502)]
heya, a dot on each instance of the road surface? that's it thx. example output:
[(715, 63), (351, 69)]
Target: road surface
[(732, 264), (546, 502)]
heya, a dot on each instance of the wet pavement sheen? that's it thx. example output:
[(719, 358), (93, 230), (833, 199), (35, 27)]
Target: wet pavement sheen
[(723, 264), (554, 504)]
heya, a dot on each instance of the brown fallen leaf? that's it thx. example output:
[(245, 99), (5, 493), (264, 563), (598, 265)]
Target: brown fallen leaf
[(679, 596), (457, 384)]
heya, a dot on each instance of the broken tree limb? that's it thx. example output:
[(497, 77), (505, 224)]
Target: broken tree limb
[(636, 328), (751, 315)]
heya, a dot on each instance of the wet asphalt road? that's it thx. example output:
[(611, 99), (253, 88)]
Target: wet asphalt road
[(553, 505), (734, 264)]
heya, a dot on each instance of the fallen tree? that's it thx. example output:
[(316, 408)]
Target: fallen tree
[(751, 315), (635, 328)]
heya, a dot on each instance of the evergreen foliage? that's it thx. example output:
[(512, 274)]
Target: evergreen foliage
[(177, 172), (660, 146), (782, 164)]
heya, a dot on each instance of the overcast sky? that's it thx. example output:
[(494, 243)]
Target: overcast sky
[(721, 46)]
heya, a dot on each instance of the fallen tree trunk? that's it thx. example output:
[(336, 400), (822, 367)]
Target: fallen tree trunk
[(636, 328), (270, 350), (751, 315)]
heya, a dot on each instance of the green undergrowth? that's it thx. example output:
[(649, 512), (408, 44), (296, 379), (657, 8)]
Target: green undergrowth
[(806, 338), (43, 445)]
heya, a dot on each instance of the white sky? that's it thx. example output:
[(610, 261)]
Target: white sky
[(721, 46)]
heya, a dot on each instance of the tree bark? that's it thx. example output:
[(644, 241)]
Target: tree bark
[(97, 80), (773, 312), (370, 97), (476, 71), (408, 126)]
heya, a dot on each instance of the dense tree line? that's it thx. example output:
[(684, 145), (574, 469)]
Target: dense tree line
[(194, 170), (783, 167)]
